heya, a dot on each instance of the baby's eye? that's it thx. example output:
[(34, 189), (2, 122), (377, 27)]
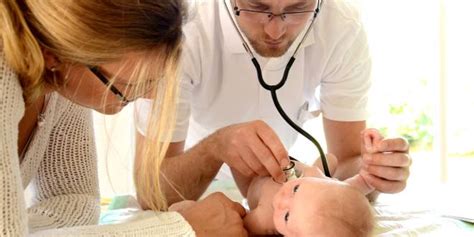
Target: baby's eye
[(295, 189), (287, 215)]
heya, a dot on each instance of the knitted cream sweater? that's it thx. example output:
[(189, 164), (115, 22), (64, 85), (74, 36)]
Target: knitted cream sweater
[(61, 164)]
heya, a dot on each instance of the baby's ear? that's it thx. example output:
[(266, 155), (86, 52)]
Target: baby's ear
[(260, 221)]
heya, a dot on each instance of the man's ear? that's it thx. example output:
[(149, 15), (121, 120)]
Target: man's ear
[(50, 60)]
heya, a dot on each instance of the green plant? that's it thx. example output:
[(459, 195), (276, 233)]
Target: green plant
[(413, 124)]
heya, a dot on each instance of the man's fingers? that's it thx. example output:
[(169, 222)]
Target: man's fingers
[(265, 157), (272, 141), (388, 173), (253, 162), (388, 159), (244, 168), (393, 145), (273, 168)]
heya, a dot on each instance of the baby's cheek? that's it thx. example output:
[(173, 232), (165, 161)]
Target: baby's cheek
[(278, 221)]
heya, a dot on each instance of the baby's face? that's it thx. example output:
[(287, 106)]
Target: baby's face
[(301, 204)]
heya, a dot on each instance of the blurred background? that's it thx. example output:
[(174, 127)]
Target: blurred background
[(422, 90)]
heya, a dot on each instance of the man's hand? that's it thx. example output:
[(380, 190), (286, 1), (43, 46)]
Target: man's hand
[(252, 149), (385, 162), (216, 216)]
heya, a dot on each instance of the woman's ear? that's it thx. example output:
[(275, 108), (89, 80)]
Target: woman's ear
[(50, 60)]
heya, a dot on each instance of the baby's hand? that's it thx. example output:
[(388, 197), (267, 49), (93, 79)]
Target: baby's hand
[(371, 140)]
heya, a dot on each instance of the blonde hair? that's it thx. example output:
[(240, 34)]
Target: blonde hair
[(91, 32), (345, 212)]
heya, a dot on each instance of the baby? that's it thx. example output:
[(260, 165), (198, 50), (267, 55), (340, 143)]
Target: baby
[(313, 205)]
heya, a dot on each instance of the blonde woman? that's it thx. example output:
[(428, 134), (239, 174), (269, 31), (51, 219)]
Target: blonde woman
[(58, 60)]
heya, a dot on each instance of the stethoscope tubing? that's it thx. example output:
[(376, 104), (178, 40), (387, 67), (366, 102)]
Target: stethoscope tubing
[(274, 88)]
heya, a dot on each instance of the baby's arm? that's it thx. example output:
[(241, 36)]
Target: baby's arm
[(358, 182), (370, 139)]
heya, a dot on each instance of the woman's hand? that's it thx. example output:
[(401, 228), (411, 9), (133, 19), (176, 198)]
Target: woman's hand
[(216, 215), (181, 206)]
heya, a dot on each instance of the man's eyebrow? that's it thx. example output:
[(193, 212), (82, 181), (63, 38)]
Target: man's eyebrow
[(299, 5), (258, 2)]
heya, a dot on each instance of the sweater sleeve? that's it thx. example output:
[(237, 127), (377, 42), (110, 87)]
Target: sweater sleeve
[(13, 219), (66, 184), (147, 223), (67, 187)]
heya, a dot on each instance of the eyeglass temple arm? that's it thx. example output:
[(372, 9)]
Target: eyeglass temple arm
[(244, 43), (104, 80)]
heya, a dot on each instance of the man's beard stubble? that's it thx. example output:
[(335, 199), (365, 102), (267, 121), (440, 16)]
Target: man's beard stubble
[(263, 50)]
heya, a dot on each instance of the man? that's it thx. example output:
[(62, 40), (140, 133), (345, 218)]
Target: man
[(223, 104)]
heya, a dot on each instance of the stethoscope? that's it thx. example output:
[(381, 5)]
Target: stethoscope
[(273, 88)]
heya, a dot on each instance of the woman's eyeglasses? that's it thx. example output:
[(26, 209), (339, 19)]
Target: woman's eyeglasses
[(106, 82)]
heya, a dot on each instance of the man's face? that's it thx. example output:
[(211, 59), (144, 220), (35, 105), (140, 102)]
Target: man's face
[(272, 37)]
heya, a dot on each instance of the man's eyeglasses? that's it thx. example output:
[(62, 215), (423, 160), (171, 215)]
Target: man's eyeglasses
[(265, 17), (106, 82)]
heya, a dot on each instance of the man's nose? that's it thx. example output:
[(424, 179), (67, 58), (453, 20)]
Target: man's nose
[(276, 28)]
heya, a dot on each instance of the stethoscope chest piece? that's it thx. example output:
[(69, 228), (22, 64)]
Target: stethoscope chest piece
[(291, 172)]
